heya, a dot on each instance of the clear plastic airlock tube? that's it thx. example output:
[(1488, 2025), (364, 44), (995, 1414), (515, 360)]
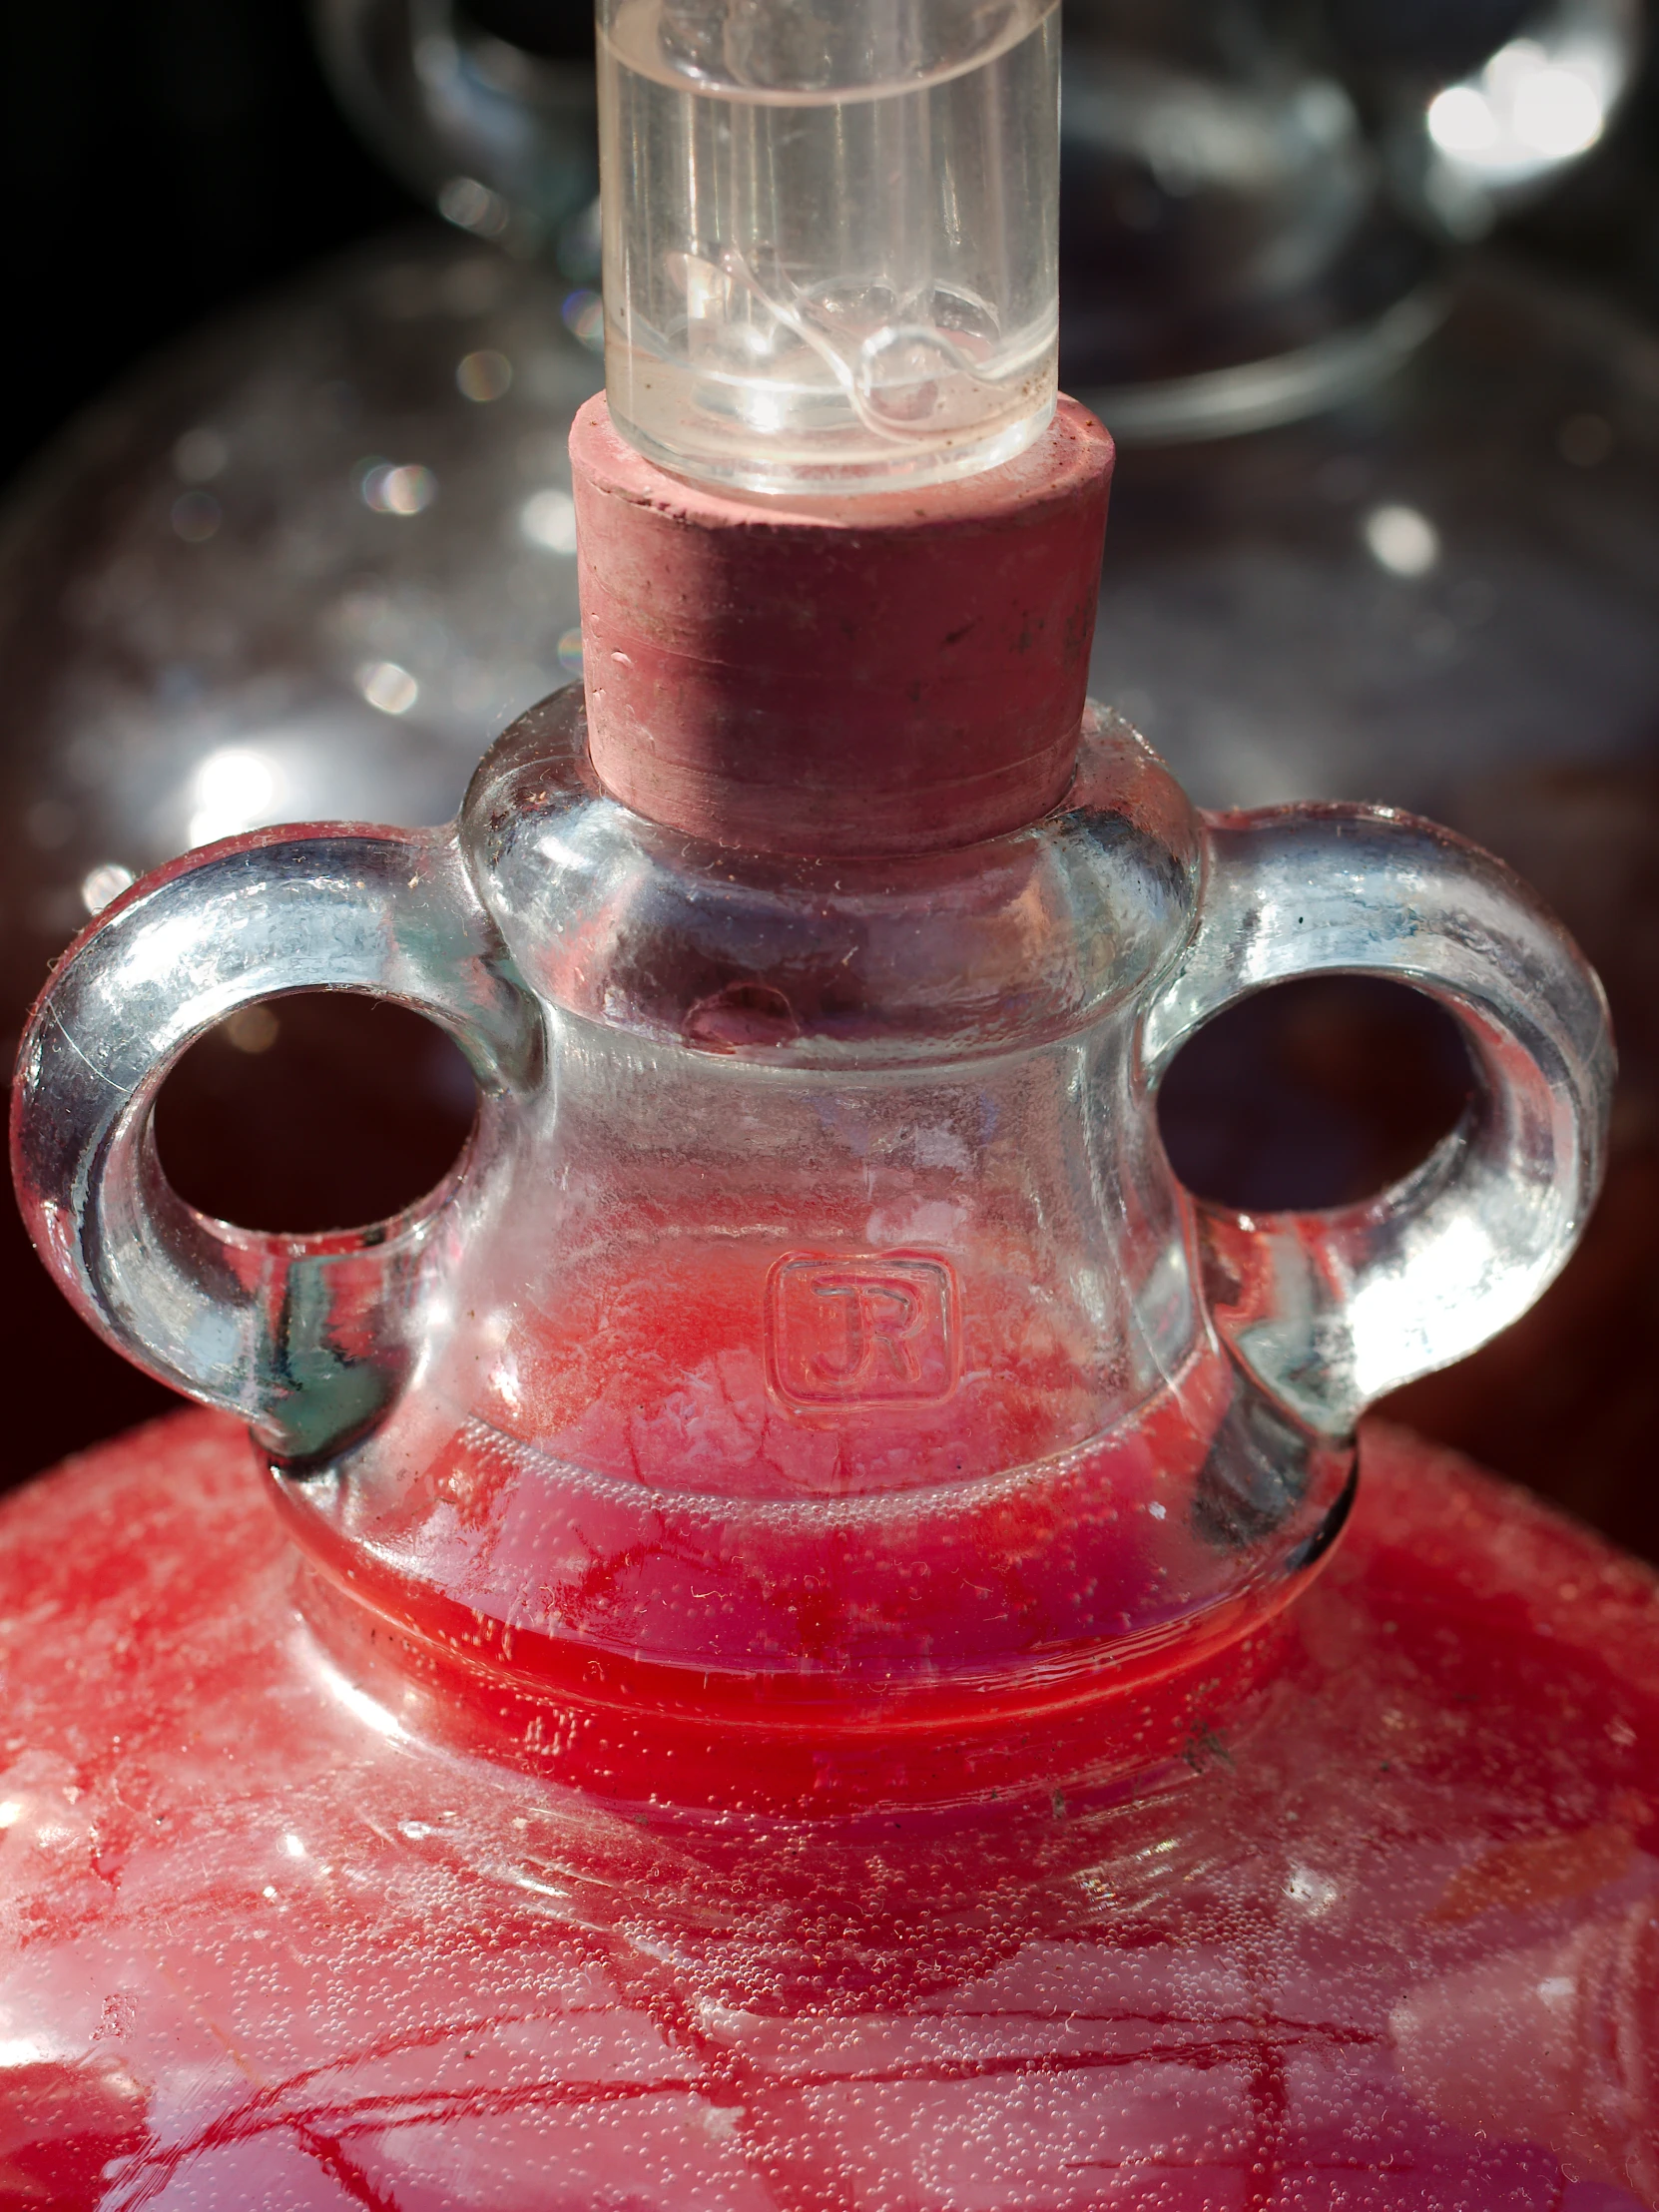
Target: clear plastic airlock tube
[(829, 235)]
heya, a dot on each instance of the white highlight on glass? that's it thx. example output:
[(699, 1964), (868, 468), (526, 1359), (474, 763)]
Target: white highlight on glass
[(100, 886), (1460, 121), (1397, 1315), (1527, 110), (1402, 540), (234, 789), (388, 686), (356, 1702), (1315, 1891)]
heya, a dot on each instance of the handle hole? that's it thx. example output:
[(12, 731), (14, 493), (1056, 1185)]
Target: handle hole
[(1316, 1093), (325, 1110)]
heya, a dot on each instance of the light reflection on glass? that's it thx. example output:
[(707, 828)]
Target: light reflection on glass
[(471, 206), (1402, 540), (1525, 110), (234, 791), (252, 639), (584, 318), (356, 1702), (103, 883), (409, 489), (483, 376), (1315, 1892), (388, 686)]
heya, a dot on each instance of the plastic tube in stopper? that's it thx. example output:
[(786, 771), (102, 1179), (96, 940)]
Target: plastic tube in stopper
[(829, 235)]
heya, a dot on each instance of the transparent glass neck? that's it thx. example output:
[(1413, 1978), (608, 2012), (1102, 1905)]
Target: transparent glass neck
[(814, 1332), (825, 1325), (831, 257)]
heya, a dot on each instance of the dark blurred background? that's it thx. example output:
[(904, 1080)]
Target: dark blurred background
[(162, 159), (159, 158)]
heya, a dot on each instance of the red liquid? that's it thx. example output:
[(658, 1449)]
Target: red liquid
[(1381, 1934), (753, 1490)]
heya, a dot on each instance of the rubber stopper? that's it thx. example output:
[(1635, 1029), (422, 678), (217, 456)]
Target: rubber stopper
[(891, 672)]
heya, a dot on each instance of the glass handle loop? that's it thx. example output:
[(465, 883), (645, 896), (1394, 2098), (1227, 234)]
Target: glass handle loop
[(307, 1338), (1329, 1311)]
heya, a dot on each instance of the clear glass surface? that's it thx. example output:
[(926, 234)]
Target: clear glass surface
[(1248, 621), (829, 236), (816, 1260)]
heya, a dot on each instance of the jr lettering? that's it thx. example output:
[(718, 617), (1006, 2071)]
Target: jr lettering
[(847, 1330)]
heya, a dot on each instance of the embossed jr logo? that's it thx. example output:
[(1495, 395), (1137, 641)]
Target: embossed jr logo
[(849, 1329)]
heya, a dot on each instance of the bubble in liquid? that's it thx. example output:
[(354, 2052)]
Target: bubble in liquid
[(901, 375)]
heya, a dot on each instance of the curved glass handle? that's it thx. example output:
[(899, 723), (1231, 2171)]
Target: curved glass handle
[(1331, 1310), (308, 1338)]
